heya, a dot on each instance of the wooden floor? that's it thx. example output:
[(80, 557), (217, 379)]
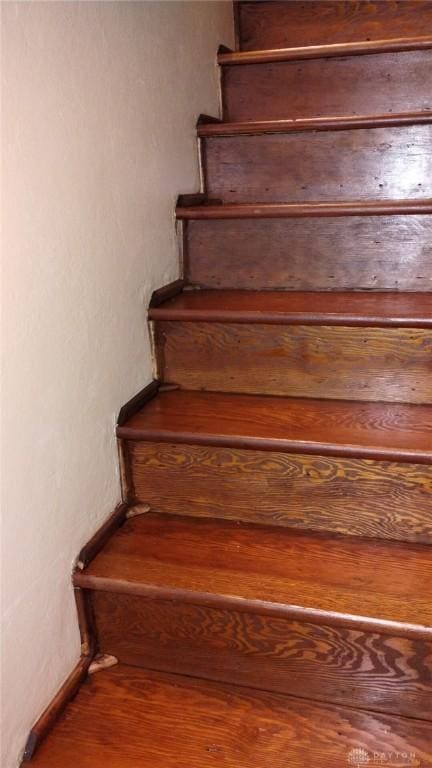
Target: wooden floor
[(237, 564), (125, 717)]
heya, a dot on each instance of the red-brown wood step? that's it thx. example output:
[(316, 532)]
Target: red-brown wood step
[(324, 617), (127, 717), (340, 428), (349, 308)]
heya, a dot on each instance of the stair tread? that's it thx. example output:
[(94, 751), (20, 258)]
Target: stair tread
[(337, 427), (125, 717), (215, 210), (313, 124), (232, 58), (268, 568), (306, 307)]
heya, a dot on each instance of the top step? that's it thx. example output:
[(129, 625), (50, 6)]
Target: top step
[(287, 23)]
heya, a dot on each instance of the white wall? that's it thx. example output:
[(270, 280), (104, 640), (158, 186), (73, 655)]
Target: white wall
[(99, 107)]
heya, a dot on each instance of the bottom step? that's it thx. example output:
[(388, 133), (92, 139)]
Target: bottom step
[(126, 717)]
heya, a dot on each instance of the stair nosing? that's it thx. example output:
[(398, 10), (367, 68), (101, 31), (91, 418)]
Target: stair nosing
[(371, 47), (274, 444), (260, 607), (169, 312), (336, 123), (303, 210)]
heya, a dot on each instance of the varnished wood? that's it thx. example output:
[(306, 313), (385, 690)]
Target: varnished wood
[(102, 535), (214, 127), (47, 720), (387, 364), (358, 497), (285, 23), (127, 717), (379, 163), (166, 292), (297, 53), (328, 87), (137, 402), (320, 662), (310, 209), (348, 308), (383, 431), (269, 571), (368, 252)]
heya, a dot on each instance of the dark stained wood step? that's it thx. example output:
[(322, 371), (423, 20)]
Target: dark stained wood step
[(310, 254), (369, 163), (272, 570), (127, 717), (339, 86), (310, 209), (219, 128), (289, 23), (297, 53), (324, 617), (349, 308), (387, 431)]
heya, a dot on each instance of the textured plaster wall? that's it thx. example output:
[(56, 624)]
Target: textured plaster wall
[(99, 106)]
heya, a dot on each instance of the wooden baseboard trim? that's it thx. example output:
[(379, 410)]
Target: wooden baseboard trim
[(169, 291), (46, 721), (137, 402), (90, 550)]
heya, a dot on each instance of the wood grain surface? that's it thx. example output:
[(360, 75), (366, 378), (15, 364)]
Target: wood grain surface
[(126, 718), (252, 568), (383, 500), (367, 252), (334, 427), (385, 364), (328, 87), (370, 163), (287, 24), (324, 663)]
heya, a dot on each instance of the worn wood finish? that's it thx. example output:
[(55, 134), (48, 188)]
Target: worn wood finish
[(127, 717), (213, 127), (328, 87), (270, 570), (364, 253), (320, 662), (388, 364), (361, 497), (391, 45), (383, 431), (348, 308), (302, 210), (379, 163), (289, 23)]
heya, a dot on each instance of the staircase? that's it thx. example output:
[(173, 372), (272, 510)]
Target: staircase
[(266, 586)]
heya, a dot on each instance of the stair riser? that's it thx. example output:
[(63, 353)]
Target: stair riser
[(353, 252), (371, 163), (367, 84), (388, 500), (291, 24), (326, 663), (390, 364)]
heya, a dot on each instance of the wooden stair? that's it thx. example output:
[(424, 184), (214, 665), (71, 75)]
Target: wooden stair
[(129, 717), (265, 585)]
